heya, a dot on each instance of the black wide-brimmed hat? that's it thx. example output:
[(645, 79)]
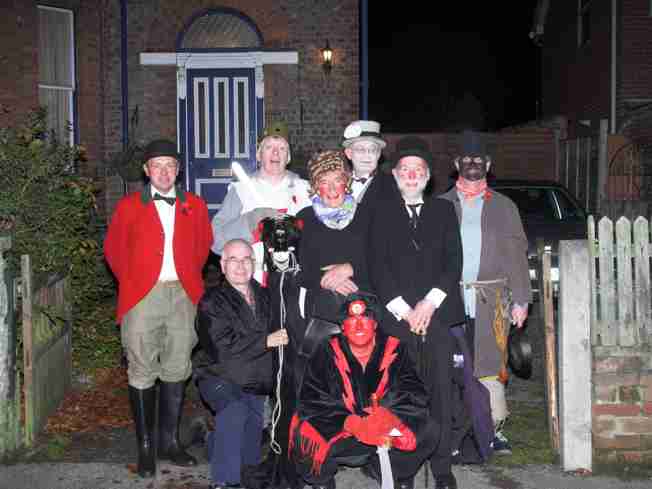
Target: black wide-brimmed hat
[(519, 353), (411, 146)]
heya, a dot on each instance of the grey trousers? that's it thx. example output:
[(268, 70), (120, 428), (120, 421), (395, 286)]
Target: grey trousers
[(158, 335)]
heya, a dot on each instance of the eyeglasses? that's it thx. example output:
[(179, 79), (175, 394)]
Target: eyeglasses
[(373, 151), (245, 262)]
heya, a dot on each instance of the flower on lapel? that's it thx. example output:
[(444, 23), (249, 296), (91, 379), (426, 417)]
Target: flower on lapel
[(487, 195), (186, 209)]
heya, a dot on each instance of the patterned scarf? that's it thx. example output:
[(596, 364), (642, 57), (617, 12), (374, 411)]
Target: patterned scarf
[(471, 189), (335, 218)]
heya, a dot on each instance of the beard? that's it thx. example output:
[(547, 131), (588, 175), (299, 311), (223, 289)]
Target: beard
[(411, 193)]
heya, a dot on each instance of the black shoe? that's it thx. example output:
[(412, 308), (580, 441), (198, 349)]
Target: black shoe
[(198, 431), (405, 484), (446, 481), (170, 407), (371, 471), (143, 407)]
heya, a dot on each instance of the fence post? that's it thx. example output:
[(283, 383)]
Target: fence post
[(603, 164), (575, 355), (9, 381), (28, 346)]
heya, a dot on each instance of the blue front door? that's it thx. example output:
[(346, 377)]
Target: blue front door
[(222, 128)]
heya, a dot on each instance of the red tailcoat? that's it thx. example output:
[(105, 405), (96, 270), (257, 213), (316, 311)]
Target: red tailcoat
[(134, 246)]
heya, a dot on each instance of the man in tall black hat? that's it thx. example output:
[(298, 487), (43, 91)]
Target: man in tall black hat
[(495, 273), (416, 274)]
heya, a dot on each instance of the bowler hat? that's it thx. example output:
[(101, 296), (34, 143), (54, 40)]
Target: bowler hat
[(161, 147), (473, 143), (519, 353), (412, 146)]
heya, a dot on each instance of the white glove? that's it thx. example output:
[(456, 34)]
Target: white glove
[(253, 217)]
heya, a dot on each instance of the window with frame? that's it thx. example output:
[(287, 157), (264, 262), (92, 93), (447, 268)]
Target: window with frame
[(583, 22), (56, 58)]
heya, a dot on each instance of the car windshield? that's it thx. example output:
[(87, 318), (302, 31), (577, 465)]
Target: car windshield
[(543, 202), (568, 208), (532, 201)]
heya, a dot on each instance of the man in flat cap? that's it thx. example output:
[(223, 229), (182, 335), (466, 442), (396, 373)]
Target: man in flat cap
[(363, 146), (495, 273), (156, 245), (274, 191), (416, 273)]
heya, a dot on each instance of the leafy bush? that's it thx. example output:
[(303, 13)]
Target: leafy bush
[(50, 211)]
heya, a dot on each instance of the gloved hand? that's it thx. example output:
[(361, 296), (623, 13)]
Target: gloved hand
[(253, 217), (364, 431), (383, 419), (386, 421)]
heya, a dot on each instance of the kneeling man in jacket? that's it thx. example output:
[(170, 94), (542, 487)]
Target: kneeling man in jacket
[(360, 392), (235, 369)]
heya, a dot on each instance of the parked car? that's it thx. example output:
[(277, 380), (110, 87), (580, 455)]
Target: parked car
[(548, 211)]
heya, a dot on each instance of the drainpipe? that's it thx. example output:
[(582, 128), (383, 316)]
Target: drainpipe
[(614, 53), (364, 59), (124, 79)]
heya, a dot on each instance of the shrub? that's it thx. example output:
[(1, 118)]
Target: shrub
[(50, 211)]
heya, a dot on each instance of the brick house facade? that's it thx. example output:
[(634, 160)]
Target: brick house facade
[(290, 83), (596, 64)]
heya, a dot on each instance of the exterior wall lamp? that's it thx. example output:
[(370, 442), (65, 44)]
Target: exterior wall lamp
[(327, 58)]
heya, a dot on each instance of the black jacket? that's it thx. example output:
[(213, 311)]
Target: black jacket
[(233, 339)]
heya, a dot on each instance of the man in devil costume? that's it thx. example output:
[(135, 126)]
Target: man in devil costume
[(360, 392)]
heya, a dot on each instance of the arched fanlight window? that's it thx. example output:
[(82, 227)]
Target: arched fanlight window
[(220, 29)]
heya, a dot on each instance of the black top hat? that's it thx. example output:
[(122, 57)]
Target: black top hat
[(473, 143), (161, 147), (412, 146), (519, 352)]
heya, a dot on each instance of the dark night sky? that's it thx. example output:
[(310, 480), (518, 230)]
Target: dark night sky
[(434, 52)]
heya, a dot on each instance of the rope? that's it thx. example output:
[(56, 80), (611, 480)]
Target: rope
[(276, 412)]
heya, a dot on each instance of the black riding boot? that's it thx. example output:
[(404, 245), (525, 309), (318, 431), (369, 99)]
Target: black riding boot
[(171, 405), (143, 407)]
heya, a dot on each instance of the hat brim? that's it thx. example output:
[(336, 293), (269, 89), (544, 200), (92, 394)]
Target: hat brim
[(373, 139), (157, 154), (519, 356), (424, 155)]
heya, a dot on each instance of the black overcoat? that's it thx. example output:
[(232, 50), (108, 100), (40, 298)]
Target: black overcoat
[(409, 262)]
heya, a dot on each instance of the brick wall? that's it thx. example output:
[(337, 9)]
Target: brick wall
[(575, 80), (18, 61), (622, 405), (635, 74)]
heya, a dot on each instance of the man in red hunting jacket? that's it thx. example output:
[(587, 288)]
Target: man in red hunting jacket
[(156, 245)]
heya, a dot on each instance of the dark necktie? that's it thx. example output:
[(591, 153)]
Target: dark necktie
[(169, 200), (361, 180), (414, 214)]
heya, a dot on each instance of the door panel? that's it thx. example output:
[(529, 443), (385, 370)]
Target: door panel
[(221, 121)]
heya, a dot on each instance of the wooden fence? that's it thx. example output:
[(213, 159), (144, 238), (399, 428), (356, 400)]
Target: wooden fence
[(47, 347), (620, 282), (10, 425)]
